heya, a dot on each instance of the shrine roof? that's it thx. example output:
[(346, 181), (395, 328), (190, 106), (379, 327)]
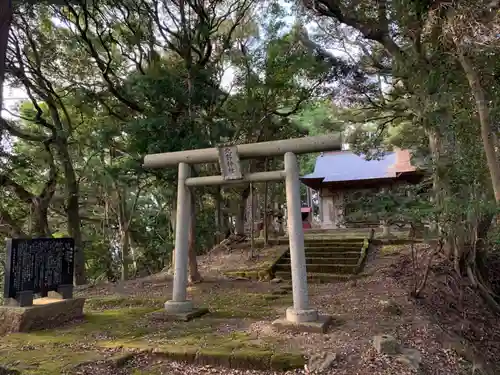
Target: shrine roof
[(346, 166)]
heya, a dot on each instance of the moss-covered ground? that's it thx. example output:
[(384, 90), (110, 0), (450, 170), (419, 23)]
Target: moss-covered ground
[(114, 323)]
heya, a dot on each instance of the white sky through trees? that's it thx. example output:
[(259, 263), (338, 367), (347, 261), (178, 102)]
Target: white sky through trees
[(13, 97)]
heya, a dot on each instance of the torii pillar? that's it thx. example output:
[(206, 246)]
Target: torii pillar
[(301, 316)]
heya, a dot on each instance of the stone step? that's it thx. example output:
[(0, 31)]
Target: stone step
[(333, 240), (332, 250), (325, 260), (332, 254), (322, 268), (350, 245), (318, 277), (341, 232)]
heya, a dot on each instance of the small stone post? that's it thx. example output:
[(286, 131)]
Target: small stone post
[(300, 312), (386, 229), (179, 304), (384, 224), (320, 207)]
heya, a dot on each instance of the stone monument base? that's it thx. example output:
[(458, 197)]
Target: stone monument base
[(45, 313)]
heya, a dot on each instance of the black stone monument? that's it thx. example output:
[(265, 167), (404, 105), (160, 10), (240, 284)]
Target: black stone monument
[(38, 265)]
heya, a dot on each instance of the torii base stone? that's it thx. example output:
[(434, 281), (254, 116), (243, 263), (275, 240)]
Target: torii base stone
[(179, 311), (303, 321)]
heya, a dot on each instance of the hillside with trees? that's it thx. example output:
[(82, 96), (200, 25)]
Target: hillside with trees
[(107, 86), (108, 82)]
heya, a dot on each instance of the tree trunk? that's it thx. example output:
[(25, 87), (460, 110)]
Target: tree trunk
[(266, 226), (240, 215), (125, 249), (133, 253), (252, 221), (5, 18), (219, 217), (125, 216), (73, 210), (41, 213), (108, 261), (258, 212), (436, 148), (40, 203), (484, 119), (173, 222), (123, 229), (194, 274), (108, 257), (227, 218), (239, 222)]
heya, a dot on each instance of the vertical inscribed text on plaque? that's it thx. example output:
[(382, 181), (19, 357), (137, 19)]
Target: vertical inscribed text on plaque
[(230, 163)]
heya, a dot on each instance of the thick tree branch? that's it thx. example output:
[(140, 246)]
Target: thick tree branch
[(14, 131), (19, 190), (5, 19), (15, 227), (378, 32), (104, 66)]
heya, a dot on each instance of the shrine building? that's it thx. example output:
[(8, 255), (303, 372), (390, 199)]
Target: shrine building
[(341, 175)]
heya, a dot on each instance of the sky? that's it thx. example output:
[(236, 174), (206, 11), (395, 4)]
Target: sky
[(12, 99)]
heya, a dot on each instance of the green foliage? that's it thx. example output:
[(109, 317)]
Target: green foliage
[(398, 205), (320, 117)]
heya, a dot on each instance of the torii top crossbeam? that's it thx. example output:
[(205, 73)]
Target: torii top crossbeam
[(330, 142)]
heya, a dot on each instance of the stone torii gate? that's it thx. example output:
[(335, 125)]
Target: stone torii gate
[(301, 314)]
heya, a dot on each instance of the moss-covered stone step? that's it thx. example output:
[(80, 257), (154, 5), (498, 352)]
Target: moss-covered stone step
[(259, 275), (354, 245), (248, 359), (323, 268), (325, 260), (332, 250), (331, 254), (333, 240), (319, 277)]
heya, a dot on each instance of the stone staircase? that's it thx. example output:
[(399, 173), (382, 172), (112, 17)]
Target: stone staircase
[(328, 259)]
